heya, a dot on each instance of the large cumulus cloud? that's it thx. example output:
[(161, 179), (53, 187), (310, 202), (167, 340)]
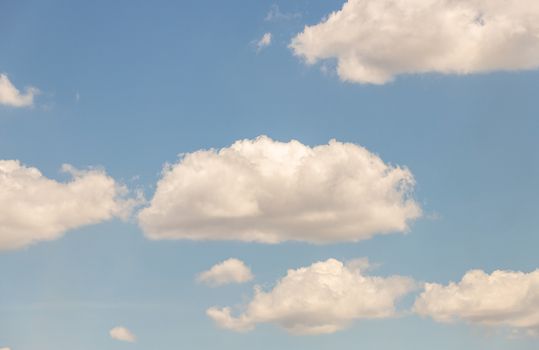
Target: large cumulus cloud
[(268, 191), (375, 40)]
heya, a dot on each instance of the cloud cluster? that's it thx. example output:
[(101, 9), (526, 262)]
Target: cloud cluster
[(11, 96), (503, 298), (322, 298), (375, 40), (229, 271), (36, 208), (122, 334), (268, 191)]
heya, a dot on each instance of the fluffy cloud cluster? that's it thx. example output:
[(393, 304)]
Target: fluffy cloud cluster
[(11, 96), (35, 208), (122, 334), (229, 271), (375, 40), (503, 298), (268, 191), (322, 298)]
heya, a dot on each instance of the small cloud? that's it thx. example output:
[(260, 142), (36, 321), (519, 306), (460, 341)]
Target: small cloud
[(77, 96), (275, 14), (5, 348), (122, 334), (226, 272), (12, 97), (265, 41)]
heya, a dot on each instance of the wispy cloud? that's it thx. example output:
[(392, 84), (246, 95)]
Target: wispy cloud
[(263, 42), (275, 14)]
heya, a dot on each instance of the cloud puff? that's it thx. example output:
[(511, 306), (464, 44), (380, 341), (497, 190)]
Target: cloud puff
[(35, 208), (122, 334), (375, 40), (265, 41), (229, 271), (11, 96), (268, 191), (5, 349), (322, 298), (503, 298)]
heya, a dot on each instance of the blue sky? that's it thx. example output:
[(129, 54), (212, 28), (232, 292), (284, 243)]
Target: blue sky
[(129, 85)]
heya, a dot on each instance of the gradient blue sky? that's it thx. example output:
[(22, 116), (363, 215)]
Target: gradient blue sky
[(156, 79)]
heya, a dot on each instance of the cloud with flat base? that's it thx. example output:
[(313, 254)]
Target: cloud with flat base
[(500, 299), (268, 191), (319, 299), (35, 208), (373, 41)]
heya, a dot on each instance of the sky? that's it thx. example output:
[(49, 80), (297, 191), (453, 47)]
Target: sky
[(307, 174)]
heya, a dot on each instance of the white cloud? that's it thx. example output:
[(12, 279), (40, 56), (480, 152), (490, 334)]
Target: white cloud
[(375, 40), (35, 208), (5, 349), (322, 298), (268, 191), (11, 96), (503, 298), (265, 41), (122, 334), (229, 271)]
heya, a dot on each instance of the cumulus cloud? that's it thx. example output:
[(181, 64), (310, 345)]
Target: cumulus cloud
[(322, 298), (5, 349), (11, 96), (35, 208), (375, 40), (268, 191), (229, 271), (503, 298), (263, 42), (122, 334)]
